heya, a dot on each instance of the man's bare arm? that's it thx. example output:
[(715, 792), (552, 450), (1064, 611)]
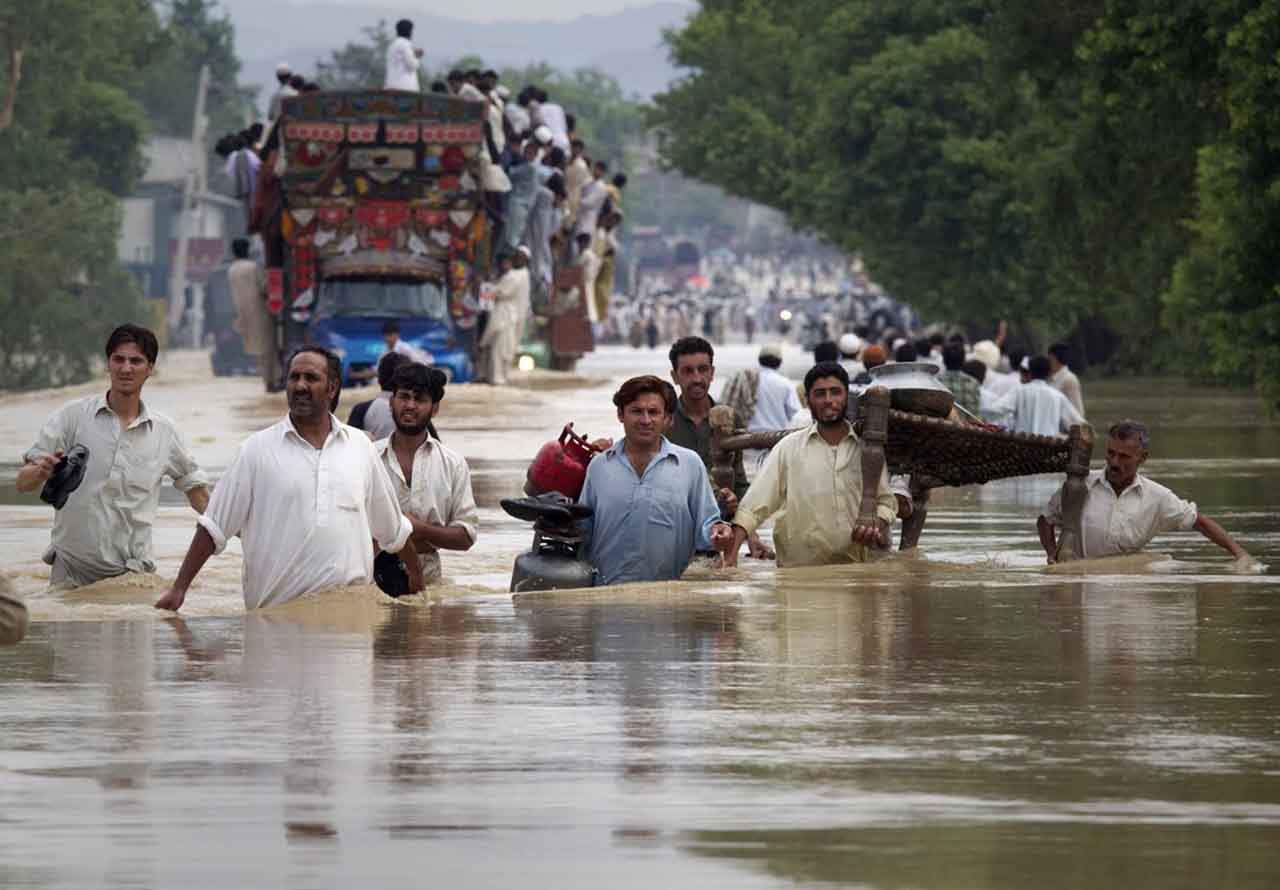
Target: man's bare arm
[(441, 537), (1218, 535), (1047, 539), (202, 547), (35, 473), (198, 498)]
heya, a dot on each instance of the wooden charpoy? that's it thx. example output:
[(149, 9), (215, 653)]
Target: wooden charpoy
[(934, 452)]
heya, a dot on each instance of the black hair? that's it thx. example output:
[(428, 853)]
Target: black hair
[(556, 184), (602, 165), (771, 361), (935, 340), (255, 131), (409, 375), (638, 386), (1060, 351), (390, 326), (489, 72), (1039, 367), (825, 369), (976, 368), (577, 143), (1016, 354), (404, 28), (388, 365), (690, 346), (332, 365), (439, 86), (297, 81), (454, 76), (139, 336), (556, 158), (923, 347), (620, 180), (953, 356), (905, 353), (826, 351), (240, 248)]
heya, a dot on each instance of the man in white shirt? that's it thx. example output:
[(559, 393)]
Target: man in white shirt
[(776, 399), (552, 115), (815, 476), (591, 200), (283, 75), (510, 307), (576, 175), (403, 60), (391, 337), (1035, 406), (104, 528), (305, 496), (1062, 378), (432, 483), (1124, 510)]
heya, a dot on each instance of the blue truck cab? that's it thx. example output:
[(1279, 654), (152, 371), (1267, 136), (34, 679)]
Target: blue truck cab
[(350, 313)]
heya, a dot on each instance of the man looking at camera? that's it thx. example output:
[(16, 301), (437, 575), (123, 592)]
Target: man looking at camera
[(651, 500), (432, 482), (815, 474)]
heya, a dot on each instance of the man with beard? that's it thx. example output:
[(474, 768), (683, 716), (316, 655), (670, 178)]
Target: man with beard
[(693, 369), (1124, 510), (432, 483), (651, 501), (815, 474), (305, 496)]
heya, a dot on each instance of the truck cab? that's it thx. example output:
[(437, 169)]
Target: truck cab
[(350, 313)]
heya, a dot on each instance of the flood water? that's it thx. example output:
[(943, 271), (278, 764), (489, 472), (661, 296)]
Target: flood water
[(957, 718)]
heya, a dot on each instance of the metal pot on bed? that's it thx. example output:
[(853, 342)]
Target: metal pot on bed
[(914, 387)]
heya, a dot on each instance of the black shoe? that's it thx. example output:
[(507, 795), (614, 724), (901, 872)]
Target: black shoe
[(66, 478)]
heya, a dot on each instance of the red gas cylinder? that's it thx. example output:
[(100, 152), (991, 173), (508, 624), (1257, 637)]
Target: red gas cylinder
[(561, 465)]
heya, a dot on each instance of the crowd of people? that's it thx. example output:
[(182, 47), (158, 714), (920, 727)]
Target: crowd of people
[(308, 494)]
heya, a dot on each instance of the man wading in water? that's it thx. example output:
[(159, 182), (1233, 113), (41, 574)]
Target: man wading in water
[(652, 500), (305, 496), (104, 529), (1124, 510), (816, 475)]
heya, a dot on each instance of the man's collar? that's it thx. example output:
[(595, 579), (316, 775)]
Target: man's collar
[(1136, 484), (103, 403), (618, 449), (336, 427), (680, 406), (812, 430)]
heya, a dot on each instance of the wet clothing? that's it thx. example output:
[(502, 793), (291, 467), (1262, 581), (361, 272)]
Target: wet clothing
[(105, 528), (1038, 408), (966, 389), (502, 334), (248, 283), (377, 420), (1125, 523), (1067, 383), (647, 527), (820, 488), (305, 516), (697, 438), (440, 492), (402, 66)]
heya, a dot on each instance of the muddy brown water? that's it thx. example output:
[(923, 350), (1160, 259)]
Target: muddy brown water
[(959, 717)]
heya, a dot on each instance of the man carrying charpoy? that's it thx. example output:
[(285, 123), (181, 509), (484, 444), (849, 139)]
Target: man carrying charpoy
[(815, 475), (1124, 509)]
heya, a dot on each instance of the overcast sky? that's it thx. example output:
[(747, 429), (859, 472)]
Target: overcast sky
[(491, 10)]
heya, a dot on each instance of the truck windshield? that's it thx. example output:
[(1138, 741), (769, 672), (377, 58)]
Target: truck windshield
[(389, 297)]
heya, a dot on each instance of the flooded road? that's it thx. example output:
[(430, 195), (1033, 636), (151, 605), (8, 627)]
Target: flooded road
[(956, 718)]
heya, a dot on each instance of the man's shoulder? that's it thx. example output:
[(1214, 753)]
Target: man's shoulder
[(684, 455), (452, 459)]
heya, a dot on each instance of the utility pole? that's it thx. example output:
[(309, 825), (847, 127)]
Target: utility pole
[(193, 186)]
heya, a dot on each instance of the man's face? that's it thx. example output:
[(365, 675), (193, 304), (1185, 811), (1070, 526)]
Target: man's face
[(310, 389), (644, 419), (693, 374), (128, 369), (411, 411), (1124, 457), (391, 340), (828, 398)]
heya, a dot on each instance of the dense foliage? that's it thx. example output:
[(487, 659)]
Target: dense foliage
[(81, 85), (1102, 169)]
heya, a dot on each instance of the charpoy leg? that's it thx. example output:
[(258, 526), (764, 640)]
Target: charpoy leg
[(913, 525), (875, 432), (1074, 492)]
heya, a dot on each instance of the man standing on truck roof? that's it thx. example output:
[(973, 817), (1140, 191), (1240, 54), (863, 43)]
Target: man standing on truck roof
[(403, 60)]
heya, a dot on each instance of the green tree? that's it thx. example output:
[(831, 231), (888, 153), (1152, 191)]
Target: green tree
[(358, 65)]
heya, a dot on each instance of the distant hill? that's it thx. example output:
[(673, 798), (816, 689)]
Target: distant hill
[(626, 45)]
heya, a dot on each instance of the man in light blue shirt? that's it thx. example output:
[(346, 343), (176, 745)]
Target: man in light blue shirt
[(651, 500)]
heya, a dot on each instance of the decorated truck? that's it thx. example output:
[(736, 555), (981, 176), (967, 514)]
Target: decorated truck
[(378, 215)]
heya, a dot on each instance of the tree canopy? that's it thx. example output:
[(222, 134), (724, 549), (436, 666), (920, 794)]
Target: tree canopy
[(1094, 169)]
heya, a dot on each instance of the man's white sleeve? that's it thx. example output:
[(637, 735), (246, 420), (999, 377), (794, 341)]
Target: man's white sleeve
[(230, 503), (390, 528)]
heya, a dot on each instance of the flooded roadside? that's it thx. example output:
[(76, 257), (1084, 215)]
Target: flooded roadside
[(957, 717)]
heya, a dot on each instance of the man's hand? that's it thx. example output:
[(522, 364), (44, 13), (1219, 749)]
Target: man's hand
[(172, 600), (868, 534), (758, 549), (413, 568), (728, 500), (36, 473), (722, 536), (601, 444)]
